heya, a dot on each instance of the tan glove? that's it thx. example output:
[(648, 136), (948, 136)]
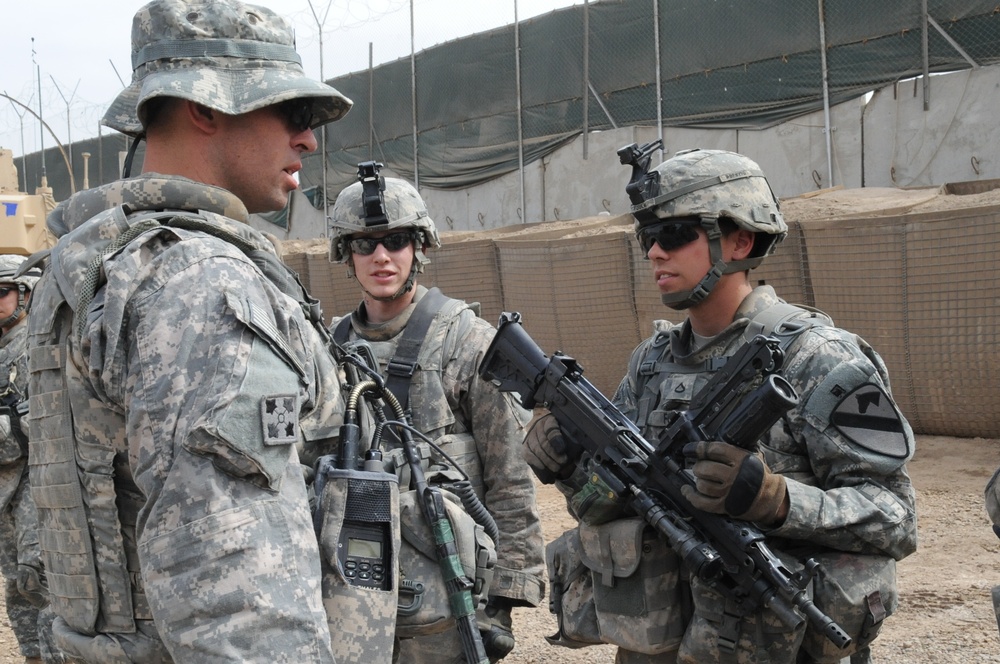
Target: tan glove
[(550, 454), (730, 480)]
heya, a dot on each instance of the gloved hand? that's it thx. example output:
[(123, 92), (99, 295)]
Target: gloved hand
[(730, 480), (550, 454), (497, 628), (31, 585)]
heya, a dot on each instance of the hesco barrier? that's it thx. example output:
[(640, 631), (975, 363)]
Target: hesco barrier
[(920, 288)]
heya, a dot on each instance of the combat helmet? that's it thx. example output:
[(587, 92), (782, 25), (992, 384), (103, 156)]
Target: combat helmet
[(702, 187), (375, 204), (10, 265)]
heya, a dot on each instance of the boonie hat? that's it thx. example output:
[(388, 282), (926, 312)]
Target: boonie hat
[(229, 56)]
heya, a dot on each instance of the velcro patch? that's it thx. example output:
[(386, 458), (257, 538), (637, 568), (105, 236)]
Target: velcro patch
[(279, 415), (868, 417)]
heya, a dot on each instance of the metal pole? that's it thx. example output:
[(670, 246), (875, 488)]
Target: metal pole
[(20, 119), (659, 76), (520, 128), (371, 99), (322, 131), (69, 135), (41, 122), (413, 98), (924, 54), (100, 154), (86, 170), (586, 74), (24, 166), (826, 94)]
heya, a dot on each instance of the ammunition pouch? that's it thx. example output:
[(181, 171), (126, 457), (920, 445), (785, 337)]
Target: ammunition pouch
[(424, 605), (859, 593), (617, 583)]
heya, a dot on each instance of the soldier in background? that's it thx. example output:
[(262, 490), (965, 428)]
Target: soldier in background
[(182, 364), (384, 245), (830, 481), (20, 556)]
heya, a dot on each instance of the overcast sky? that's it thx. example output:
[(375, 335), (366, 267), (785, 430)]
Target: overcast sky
[(82, 47)]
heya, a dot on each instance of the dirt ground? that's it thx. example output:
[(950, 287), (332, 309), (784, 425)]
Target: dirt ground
[(945, 613)]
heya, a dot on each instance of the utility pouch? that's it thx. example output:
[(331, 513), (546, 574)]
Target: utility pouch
[(424, 605), (639, 597), (571, 593), (859, 593), (358, 527)]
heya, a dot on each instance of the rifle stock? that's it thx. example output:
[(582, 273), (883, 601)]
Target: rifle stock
[(741, 402)]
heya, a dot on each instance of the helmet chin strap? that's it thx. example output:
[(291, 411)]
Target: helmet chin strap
[(703, 288)]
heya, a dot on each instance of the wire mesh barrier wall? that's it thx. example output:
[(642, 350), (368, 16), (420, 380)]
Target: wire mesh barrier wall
[(918, 288)]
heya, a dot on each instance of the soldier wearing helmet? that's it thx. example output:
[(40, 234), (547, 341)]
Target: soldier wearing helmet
[(20, 556), (829, 481), (381, 229), (184, 363)]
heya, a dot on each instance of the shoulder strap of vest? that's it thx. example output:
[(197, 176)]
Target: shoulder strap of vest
[(785, 322), (404, 362), (342, 332)]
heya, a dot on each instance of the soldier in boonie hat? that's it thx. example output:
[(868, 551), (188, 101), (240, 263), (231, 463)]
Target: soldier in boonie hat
[(229, 56), (205, 543)]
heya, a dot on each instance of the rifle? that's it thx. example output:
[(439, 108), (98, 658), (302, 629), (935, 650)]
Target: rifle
[(741, 402)]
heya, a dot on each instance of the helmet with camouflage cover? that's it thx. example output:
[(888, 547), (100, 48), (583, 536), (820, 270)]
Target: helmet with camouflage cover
[(701, 187), (10, 266), (229, 56), (375, 204)]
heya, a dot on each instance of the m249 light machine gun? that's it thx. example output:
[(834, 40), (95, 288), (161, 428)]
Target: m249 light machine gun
[(741, 402)]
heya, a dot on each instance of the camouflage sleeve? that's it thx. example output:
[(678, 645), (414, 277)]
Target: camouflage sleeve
[(212, 381), (993, 498), (498, 426), (844, 450)]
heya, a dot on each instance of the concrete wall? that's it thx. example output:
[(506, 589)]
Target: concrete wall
[(954, 140)]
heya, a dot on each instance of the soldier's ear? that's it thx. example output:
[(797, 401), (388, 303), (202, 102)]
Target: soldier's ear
[(201, 116), (743, 241)]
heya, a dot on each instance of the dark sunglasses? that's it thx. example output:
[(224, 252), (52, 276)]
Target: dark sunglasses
[(298, 113), (6, 290), (669, 235), (365, 246)]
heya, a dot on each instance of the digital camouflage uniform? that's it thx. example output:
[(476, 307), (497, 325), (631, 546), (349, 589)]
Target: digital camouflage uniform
[(447, 396), (20, 556), (192, 380), (838, 456), (848, 487)]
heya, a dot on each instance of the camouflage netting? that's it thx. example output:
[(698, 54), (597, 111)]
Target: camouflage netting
[(911, 271)]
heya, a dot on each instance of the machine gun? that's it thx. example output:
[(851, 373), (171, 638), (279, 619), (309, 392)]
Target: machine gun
[(743, 400)]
